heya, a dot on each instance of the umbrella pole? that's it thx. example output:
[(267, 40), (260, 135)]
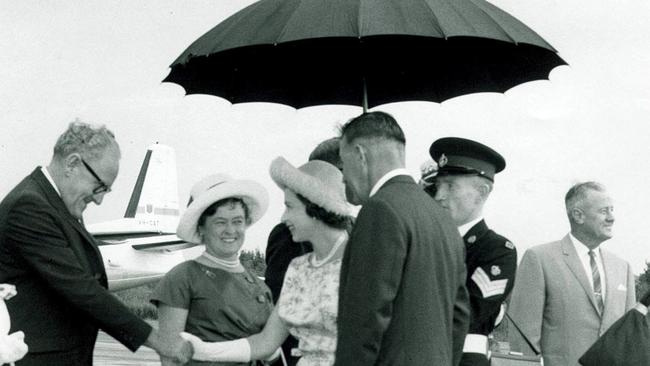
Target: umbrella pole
[(365, 97)]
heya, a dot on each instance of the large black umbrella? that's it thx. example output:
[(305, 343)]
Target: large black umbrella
[(370, 52)]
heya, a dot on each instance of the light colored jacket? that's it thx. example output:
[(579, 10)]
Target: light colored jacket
[(554, 305)]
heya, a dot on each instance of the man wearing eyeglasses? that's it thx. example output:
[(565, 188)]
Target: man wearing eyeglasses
[(46, 252), (462, 185)]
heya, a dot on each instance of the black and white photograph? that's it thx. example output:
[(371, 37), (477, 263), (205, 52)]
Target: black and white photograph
[(324, 182)]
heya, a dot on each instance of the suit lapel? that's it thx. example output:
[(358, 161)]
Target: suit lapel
[(575, 265), (611, 278), (55, 200)]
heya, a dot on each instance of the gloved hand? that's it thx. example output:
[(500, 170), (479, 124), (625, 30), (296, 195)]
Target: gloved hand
[(238, 350), (7, 291), (12, 347)]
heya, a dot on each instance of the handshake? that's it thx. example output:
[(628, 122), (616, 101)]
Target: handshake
[(172, 348)]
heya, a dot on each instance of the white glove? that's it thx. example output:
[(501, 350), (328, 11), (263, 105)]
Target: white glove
[(238, 350), (12, 347), (7, 291)]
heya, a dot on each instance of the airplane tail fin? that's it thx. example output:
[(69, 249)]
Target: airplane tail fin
[(153, 207), (154, 200)]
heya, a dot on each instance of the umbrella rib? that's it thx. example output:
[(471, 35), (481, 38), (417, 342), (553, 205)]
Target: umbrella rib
[(286, 25), (359, 21), (497, 23), (437, 22)]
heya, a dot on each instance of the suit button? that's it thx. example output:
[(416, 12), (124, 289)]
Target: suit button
[(261, 299)]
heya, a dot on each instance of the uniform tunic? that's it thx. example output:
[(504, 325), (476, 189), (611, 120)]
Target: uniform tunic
[(221, 305), (491, 266)]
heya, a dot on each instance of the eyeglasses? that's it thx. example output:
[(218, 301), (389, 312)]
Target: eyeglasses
[(103, 187)]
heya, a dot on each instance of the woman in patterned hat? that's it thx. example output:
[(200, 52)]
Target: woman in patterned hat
[(316, 211), (213, 296)]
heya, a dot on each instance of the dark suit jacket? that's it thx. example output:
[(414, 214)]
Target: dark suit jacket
[(59, 274), (402, 297)]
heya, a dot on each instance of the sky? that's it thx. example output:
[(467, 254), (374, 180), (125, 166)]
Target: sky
[(103, 62)]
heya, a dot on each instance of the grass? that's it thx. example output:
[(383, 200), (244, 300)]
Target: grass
[(137, 299)]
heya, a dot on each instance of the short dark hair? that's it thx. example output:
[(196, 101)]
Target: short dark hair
[(212, 209), (330, 219), (373, 125), (327, 151)]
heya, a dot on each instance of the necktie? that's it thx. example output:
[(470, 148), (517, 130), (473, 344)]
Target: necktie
[(595, 274)]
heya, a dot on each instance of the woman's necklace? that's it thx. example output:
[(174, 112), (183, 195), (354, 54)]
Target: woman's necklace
[(225, 263), (340, 241)]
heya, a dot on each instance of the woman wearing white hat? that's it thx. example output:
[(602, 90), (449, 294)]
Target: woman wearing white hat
[(214, 297), (316, 211)]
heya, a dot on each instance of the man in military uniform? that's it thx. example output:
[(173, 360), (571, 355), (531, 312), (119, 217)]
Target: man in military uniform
[(463, 183)]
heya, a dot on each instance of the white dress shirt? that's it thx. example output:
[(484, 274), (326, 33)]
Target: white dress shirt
[(386, 177), (50, 179), (583, 254), (464, 228)]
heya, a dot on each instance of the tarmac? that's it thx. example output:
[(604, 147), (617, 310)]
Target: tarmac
[(109, 352)]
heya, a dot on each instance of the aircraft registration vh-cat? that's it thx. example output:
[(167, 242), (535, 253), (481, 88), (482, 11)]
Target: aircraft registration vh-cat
[(141, 247)]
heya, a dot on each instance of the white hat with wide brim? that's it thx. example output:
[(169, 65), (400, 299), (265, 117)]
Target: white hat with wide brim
[(214, 188), (319, 182)]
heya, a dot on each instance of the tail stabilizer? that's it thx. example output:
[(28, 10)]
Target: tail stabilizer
[(154, 204), (155, 196)]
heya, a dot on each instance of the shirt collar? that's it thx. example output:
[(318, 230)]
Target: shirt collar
[(386, 177), (581, 248), (464, 228), (47, 175)]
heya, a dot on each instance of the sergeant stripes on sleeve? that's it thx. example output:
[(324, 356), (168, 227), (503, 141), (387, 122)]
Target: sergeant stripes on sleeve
[(488, 287)]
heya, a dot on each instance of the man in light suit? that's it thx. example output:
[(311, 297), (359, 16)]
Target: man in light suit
[(569, 292), (402, 298), (62, 298)]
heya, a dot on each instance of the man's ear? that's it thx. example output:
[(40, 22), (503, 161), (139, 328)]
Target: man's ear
[(484, 190), (71, 162), (361, 152), (578, 216)]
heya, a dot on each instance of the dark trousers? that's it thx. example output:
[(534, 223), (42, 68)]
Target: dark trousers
[(474, 359), (80, 356)]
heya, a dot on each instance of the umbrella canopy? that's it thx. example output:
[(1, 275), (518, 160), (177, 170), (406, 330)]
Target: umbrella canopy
[(312, 52)]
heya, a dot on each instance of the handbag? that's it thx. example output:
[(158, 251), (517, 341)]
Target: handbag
[(515, 358)]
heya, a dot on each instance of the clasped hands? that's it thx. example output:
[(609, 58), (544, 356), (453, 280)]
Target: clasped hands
[(172, 349)]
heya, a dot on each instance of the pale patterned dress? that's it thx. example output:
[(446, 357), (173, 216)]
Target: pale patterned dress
[(308, 306)]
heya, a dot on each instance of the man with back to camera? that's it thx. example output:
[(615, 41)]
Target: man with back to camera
[(62, 298), (569, 292), (462, 185), (402, 296)]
